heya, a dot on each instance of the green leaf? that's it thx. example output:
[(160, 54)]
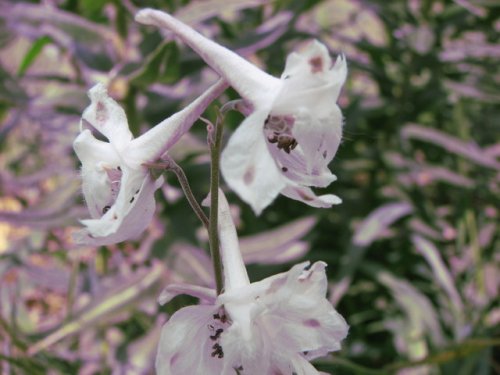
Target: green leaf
[(32, 54)]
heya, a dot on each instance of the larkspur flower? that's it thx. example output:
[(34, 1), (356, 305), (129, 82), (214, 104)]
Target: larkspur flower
[(117, 186), (274, 326), (293, 128)]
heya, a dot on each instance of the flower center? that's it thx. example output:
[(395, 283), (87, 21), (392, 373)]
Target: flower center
[(278, 129)]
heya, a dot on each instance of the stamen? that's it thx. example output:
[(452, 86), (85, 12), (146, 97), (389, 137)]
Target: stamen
[(278, 129), (286, 143), (217, 351), (218, 332)]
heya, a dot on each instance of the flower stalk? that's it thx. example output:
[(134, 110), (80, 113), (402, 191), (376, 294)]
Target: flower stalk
[(170, 165), (213, 235)]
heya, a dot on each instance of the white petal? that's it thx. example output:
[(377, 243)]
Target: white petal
[(307, 196), (155, 142), (253, 354), (92, 151), (95, 156), (173, 290), (129, 216), (303, 168), (185, 346), (302, 367), (299, 310), (107, 117), (248, 167), (309, 77), (318, 139), (235, 274), (251, 83)]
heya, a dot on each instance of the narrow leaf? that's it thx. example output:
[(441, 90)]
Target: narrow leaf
[(32, 54)]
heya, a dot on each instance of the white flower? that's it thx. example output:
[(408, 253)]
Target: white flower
[(294, 129), (118, 188), (274, 326)]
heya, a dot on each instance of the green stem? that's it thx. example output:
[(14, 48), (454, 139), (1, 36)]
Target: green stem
[(183, 181), (169, 164), (215, 145)]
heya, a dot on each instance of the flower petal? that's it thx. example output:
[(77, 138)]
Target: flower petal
[(309, 77), (96, 156), (307, 196), (251, 82), (156, 141), (248, 167), (301, 366), (317, 141), (129, 216), (302, 317), (185, 346), (107, 117), (235, 273), (173, 290)]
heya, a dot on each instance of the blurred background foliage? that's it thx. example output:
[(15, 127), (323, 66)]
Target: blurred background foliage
[(412, 251)]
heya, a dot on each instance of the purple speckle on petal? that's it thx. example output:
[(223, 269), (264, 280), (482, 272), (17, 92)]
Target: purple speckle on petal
[(316, 64), (249, 175), (304, 196), (174, 359), (101, 113), (312, 323)]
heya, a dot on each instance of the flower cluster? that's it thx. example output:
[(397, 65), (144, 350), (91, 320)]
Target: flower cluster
[(284, 146)]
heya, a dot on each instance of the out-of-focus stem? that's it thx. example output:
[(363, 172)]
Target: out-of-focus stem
[(215, 145), (471, 226), (75, 266)]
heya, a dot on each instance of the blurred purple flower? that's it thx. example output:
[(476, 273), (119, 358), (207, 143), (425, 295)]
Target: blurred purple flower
[(293, 128), (118, 188), (272, 326), (276, 246), (378, 221), (468, 150), (441, 272)]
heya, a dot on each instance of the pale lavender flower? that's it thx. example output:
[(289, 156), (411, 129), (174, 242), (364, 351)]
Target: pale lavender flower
[(118, 188), (274, 326), (293, 128)]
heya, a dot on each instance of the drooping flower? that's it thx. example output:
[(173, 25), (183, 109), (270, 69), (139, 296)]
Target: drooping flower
[(294, 126), (118, 188), (274, 326)]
